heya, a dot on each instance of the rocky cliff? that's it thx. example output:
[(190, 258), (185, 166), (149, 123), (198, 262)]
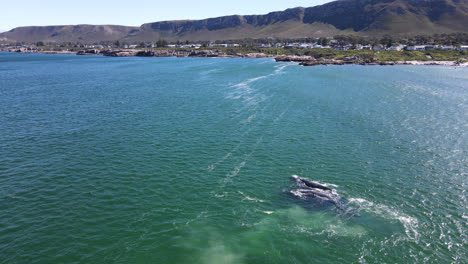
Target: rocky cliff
[(366, 17)]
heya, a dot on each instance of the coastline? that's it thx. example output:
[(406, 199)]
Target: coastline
[(357, 60), (216, 53)]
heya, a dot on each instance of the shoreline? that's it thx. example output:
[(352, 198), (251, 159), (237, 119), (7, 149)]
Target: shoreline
[(357, 60), (215, 53)]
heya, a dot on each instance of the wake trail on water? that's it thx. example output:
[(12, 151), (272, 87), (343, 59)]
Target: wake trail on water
[(230, 153), (254, 111), (244, 91), (357, 205), (228, 178), (246, 197), (251, 98), (409, 223)]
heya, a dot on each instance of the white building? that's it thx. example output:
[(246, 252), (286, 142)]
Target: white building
[(463, 47), (358, 47), (397, 47), (279, 45), (378, 47), (291, 46), (345, 47), (447, 48), (306, 46), (432, 47), (218, 45), (419, 48)]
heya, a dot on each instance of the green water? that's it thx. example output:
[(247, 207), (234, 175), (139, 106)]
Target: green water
[(174, 160)]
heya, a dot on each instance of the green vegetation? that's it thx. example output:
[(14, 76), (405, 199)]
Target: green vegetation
[(384, 55), (161, 43)]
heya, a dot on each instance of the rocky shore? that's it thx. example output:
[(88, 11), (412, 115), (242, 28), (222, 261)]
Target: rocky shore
[(170, 53), (356, 60), (29, 50)]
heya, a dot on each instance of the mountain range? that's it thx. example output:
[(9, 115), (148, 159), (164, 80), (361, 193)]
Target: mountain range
[(362, 17)]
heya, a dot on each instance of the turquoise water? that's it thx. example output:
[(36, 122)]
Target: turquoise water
[(183, 160)]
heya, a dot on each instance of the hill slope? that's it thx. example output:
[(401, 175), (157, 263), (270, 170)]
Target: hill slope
[(367, 17), (345, 16), (74, 33)]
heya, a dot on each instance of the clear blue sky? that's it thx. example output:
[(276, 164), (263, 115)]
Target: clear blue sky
[(131, 13)]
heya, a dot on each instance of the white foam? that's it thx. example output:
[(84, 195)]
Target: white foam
[(359, 200), (246, 197), (225, 157), (250, 118), (327, 184), (280, 68), (302, 193), (236, 170), (221, 195), (244, 91), (409, 223), (245, 85)]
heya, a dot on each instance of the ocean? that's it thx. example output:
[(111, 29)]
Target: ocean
[(189, 160)]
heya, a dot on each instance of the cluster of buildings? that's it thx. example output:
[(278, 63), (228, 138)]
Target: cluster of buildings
[(22, 48), (187, 46), (297, 45), (332, 45), (436, 47), (378, 47), (184, 46), (224, 45), (171, 46), (96, 46)]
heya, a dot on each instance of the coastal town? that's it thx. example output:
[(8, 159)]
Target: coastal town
[(333, 44), (307, 52)]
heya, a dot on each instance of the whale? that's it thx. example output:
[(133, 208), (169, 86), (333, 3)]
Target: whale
[(311, 189), (315, 194), (311, 184)]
